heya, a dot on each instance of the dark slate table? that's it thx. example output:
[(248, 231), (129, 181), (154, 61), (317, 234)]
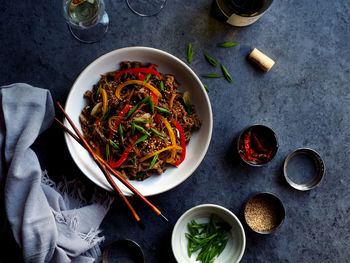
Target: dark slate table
[(305, 98)]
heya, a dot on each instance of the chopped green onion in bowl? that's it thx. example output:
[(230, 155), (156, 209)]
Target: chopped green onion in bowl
[(208, 224)]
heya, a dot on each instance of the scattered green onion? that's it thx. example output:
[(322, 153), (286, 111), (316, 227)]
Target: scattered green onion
[(153, 161), (105, 115), (132, 128), (142, 120), (141, 139), (121, 133), (139, 175), (189, 53), (211, 61), (151, 103), (114, 145), (141, 129), (98, 92), (107, 153), (187, 100), (226, 74), (206, 87), (144, 100), (161, 86), (133, 109), (136, 106), (158, 133), (228, 44), (146, 79), (163, 110), (212, 76)]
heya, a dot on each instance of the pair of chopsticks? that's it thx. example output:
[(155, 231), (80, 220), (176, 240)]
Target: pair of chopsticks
[(104, 166)]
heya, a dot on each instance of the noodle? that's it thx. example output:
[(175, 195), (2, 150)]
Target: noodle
[(129, 123)]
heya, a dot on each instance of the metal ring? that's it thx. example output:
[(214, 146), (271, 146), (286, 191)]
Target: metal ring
[(320, 169)]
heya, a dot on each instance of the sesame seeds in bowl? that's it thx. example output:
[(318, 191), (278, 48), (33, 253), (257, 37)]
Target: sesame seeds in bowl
[(264, 213)]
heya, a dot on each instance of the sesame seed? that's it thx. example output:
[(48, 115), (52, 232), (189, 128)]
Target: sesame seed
[(262, 213)]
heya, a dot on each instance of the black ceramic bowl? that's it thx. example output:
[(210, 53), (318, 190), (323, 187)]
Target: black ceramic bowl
[(257, 145), (264, 213), (123, 250)]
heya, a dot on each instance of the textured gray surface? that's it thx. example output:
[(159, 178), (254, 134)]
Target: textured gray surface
[(305, 98)]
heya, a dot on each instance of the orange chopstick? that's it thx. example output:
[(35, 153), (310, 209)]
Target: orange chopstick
[(80, 139)]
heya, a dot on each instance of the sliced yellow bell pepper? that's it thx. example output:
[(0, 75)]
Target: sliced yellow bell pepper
[(159, 151), (104, 100), (139, 82), (172, 138)]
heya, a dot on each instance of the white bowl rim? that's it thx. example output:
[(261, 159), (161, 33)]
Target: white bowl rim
[(142, 48), (178, 222)]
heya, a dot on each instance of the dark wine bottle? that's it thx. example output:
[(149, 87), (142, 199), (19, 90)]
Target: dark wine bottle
[(240, 12)]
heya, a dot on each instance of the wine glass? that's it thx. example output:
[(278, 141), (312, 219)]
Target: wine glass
[(146, 7), (87, 19)]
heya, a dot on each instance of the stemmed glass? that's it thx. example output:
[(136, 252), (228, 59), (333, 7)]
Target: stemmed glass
[(87, 19), (146, 7)]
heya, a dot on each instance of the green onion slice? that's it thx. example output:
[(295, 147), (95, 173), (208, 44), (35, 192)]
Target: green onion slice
[(136, 106), (107, 153), (211, 61), (189, 53), (141, 139), (121, 132), (151, 103), (142, 120), (163, 110), (141, 129), (139, 175), (146, 79), (158, 133), (212, 76), (187, 100), (226, 74), (105, 114), (153, 161), (228, 44), (114, 145), (161, 86)]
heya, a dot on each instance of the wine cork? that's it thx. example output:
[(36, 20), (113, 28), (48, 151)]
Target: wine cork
[(264, 62)]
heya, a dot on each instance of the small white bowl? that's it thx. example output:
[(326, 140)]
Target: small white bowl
[(167, 64), (235, 246)]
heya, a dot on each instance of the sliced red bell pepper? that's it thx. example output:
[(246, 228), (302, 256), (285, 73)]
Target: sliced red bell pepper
[(152, 66), (136, 71), (156, 117), (98, 121), (125, 154), (124, 111), (141, 76), (154, 97), (117, 121), (182, 142)]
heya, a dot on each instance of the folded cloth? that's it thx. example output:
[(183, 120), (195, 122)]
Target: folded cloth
[(48, 220)]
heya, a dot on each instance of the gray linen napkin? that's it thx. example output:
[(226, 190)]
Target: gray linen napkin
[(46, 219)]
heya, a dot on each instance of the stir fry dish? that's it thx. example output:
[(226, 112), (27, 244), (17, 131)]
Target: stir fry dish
[(138, 121)]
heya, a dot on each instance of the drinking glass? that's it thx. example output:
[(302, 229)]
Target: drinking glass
[(87, 19), (146, 7)]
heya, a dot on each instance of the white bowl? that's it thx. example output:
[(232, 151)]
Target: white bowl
[(167, 64), (235, 246)]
